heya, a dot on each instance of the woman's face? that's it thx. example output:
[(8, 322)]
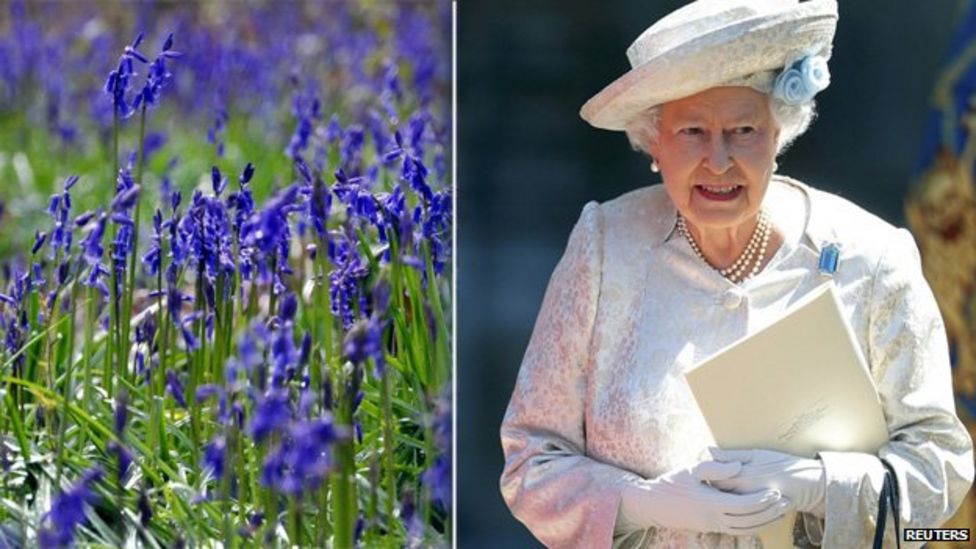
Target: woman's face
[(716, 151)]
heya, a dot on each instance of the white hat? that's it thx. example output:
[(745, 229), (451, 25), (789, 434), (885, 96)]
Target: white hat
[(709, 43)]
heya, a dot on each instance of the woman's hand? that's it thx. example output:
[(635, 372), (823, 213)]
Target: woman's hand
[(800, 480), (681, 500)]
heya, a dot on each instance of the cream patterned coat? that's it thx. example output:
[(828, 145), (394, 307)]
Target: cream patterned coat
[(601, 400)]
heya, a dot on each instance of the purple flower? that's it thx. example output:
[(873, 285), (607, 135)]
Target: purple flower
[(306, 108), (126, 197), (247, 174), (39, 238), (175, 388), (214, 456), (118, 84), (153, 257), (68, 511), (158, 77), (271, 414), (415, 173), (438, 477), (303, 459), (123, 457), (364, 341), (217, 182), (288, 308), (306, 349), (319, 206), (121, 412), (83, 219)]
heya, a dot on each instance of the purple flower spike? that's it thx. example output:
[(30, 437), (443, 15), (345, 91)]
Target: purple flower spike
[(168, 43)]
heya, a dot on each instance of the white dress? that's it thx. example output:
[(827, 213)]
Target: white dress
[(600, 398)]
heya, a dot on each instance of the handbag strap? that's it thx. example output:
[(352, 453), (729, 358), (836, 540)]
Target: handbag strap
[(889, 497)]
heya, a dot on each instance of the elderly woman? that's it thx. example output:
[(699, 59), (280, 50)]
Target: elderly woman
[(603, 440)]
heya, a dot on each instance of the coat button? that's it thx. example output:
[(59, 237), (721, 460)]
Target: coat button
[(731, 300)]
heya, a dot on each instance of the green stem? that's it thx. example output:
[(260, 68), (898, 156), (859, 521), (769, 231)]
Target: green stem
[(344, 500), (63, 427), (389, 475), (90, 323)]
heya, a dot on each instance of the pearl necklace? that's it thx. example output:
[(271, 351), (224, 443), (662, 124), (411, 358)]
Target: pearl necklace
[(749, 262)]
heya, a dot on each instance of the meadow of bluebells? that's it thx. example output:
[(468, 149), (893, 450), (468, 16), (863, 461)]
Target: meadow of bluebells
[(225, 275)]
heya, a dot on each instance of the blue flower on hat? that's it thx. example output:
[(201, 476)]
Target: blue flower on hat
[(801, 80)]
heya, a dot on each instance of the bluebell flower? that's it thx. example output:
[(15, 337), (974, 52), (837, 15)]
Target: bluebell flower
[(251, 344), (125, 199), (123, 458), (288, 307), (415, 173), (438, 477), (271, 414), (121, 412), (153, 257), (118, 82), (216, 181), (319, 205), (411, 520), (68, 511), (216, 129), (63, 271), (214, 456), (350, 150), (303, 459), (175, 388), (364, 341), (83, 219), (284, 357), (306, 349), (207, 390), (333, 132), (158, 77), (39, 238), (306, 108), (247, 174)]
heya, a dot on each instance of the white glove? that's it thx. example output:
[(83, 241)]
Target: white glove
[(801, 481), (679, 500)]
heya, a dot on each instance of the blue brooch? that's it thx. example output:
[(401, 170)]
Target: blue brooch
[(829, 256)]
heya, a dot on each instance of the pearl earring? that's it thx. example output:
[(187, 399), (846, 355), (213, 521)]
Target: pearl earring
[(654, 166), (775, 166)]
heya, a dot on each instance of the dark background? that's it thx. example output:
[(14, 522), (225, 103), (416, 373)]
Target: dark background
[(527, 163)]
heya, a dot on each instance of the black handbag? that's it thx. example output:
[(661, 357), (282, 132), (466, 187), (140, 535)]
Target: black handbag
[(888, 499)]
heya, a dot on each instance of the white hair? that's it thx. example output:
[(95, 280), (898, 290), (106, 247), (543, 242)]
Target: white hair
[(792, 120)]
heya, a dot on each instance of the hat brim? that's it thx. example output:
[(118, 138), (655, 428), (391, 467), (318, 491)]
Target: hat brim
[(748, 47)]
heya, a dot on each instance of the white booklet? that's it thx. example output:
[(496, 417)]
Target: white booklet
[(799, 385)]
